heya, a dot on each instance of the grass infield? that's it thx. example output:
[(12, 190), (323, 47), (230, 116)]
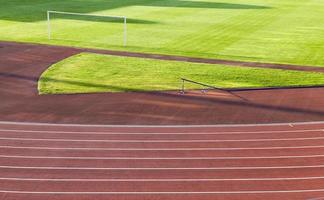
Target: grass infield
[(280, 31), (89, 73)]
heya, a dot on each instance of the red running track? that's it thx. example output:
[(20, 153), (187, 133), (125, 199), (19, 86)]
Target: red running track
[(66, 162), (22, 64), (48, 161)]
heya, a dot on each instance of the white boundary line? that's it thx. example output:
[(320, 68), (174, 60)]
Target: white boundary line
[(159, 180), (159, 126), (161, 149), (160, 141), (160, 133), (316, 198), (164, 193), (160, 168), (163, 158)]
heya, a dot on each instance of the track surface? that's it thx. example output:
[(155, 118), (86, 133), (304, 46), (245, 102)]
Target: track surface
[(274, 162), (22, 64), (66, 162)]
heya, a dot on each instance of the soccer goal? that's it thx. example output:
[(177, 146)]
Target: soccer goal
[(122, 19)]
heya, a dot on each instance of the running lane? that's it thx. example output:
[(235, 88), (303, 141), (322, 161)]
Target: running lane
[(48, 161), (22, 64)]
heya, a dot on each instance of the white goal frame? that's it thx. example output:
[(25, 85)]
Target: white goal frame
[(49, 12)]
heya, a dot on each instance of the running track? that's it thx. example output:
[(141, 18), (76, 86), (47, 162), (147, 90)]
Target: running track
[(22, 64), (66, 162)]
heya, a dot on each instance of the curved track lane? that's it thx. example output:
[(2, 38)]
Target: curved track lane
[(202, 162), (66, 162), (22, 64)]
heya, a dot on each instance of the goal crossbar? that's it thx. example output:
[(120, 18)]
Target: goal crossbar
[(49, 12)]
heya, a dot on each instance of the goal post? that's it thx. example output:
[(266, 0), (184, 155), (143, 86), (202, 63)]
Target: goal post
[(49, 28)]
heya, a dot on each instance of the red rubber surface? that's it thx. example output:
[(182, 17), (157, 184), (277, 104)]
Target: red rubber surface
[(96, 162), (22, 64), (68, 162)]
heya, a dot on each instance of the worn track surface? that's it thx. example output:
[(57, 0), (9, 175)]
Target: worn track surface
[(22, 64)]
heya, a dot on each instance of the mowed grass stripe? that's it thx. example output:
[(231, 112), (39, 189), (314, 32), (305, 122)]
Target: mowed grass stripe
[(223, 34), (293, 35), (285, 31), (87, 73)]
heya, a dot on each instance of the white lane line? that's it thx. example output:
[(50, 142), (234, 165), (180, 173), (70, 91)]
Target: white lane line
[(161, 168), (317, 198), (163, 193), (159, 126), (158, 180), (159, 141), (162, 158), (162, 133), (160, 149)]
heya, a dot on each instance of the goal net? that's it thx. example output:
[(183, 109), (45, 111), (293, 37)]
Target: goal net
[(106, 29)]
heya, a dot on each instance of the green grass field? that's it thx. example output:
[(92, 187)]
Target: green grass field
[(281, 31), (79, 74)]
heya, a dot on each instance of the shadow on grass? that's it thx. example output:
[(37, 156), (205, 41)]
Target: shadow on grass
[(76, 83), (198, 99), (102, 87), (203, 4), (56, 16), (35, 10)]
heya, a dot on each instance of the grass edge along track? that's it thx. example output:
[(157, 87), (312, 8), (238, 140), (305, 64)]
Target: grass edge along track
[(92, 73)]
